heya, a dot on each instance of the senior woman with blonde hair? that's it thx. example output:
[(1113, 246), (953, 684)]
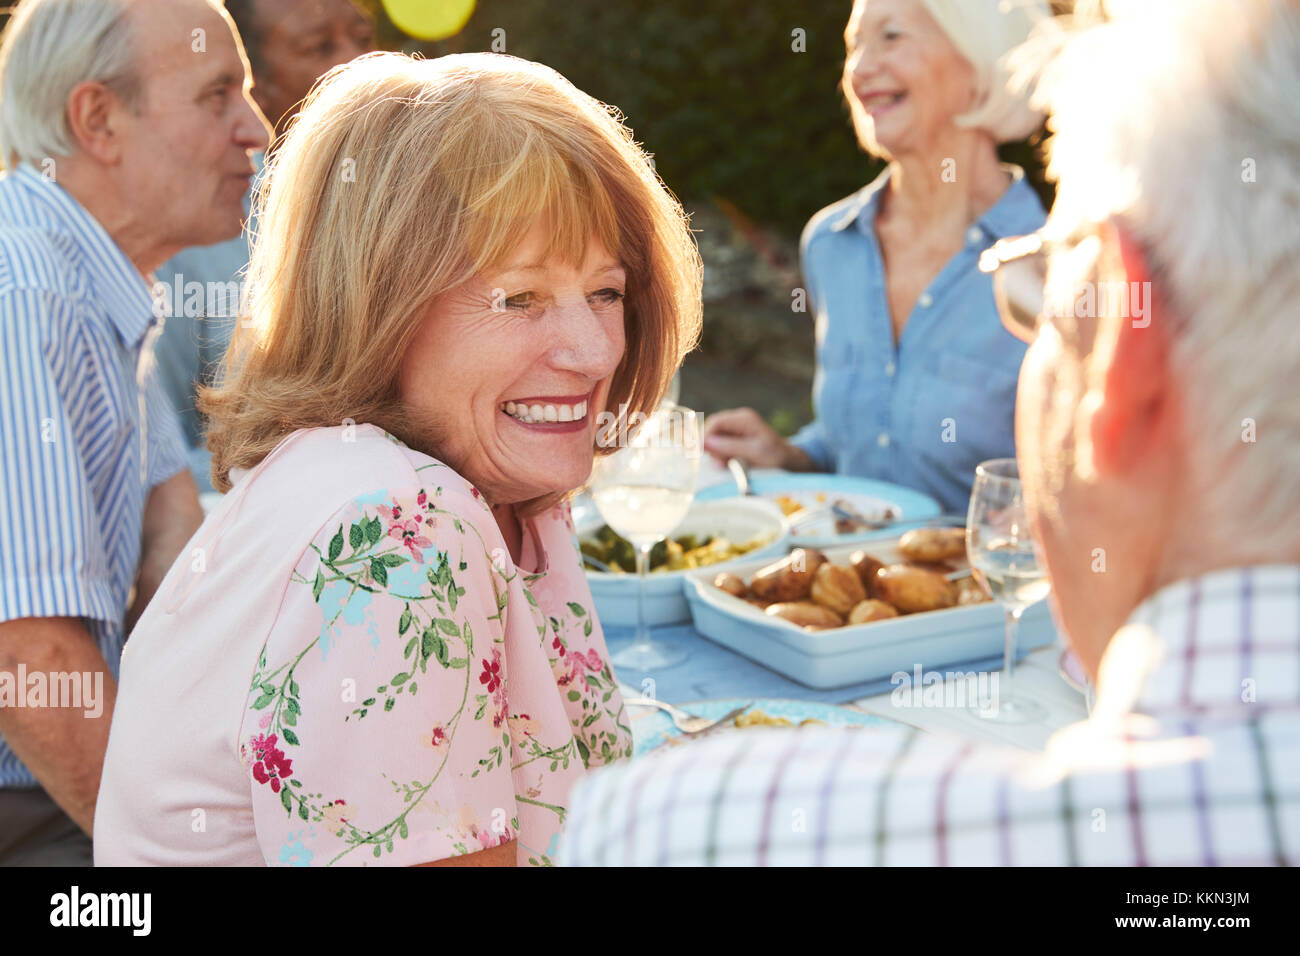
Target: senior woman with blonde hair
[(916, 378), (379, 648)]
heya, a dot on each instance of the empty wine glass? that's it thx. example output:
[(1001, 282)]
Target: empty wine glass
[(1006, 562), (643, 492)]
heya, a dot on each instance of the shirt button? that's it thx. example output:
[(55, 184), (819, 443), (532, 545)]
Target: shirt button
[(974, 235), (925, 300), (889, 368), (883, 439)]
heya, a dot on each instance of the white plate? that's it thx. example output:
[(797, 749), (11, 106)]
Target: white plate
[(739, 520), (867, 496), (652, 730)]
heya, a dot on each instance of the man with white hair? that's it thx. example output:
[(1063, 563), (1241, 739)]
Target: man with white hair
[(1159, 439), (126, 128)]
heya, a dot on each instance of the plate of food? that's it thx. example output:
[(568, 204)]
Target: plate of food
[(851, 615), (713, 535), (826, 510), (657, 729)]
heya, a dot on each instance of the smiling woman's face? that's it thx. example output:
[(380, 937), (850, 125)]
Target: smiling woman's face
[(905, 74), (508, 372)]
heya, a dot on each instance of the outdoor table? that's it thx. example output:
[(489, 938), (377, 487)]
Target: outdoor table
[(712, 672)]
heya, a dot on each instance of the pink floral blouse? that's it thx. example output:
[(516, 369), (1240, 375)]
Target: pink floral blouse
[(346, 667)]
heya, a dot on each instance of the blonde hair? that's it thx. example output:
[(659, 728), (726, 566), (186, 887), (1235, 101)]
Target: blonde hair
[(403, 178)]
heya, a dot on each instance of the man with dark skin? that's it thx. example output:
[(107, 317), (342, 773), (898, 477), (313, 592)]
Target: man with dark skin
[(292, 43)]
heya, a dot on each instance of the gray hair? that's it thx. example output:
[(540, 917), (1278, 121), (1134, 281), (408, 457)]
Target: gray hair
[(985, 32), (1178, 119), (49, 47)]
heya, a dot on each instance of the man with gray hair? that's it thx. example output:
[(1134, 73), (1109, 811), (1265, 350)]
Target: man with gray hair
[(1158, 437), (125, 128), (202, 290)]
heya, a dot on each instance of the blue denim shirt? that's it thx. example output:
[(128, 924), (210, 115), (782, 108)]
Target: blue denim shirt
[(922, 413)]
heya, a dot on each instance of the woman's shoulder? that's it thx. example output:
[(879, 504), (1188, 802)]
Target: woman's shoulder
[(320, 472), (835, 218)]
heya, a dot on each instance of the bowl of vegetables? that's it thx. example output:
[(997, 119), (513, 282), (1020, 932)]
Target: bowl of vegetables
[(714, 534)]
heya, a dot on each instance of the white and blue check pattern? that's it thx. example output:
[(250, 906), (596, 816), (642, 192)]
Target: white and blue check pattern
[(85, 428), (1191, 757)]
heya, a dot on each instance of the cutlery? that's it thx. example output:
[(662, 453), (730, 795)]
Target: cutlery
[(741, 474), (688, 724)]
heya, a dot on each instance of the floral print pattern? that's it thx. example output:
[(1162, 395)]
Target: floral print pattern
[(420, 697)]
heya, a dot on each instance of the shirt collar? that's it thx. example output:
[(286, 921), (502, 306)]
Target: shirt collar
[(1220, 642), (1017, 212), (118, 286)]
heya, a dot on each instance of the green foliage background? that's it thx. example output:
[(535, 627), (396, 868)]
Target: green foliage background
[(712, 88)]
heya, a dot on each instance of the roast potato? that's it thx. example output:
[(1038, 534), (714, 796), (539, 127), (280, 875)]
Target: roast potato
[(866, 566), (938, 567), (789, 579), (837, 588), (732, 584), (933, 545), (806, 614), (871, 610), (970, 592), (912, 589)]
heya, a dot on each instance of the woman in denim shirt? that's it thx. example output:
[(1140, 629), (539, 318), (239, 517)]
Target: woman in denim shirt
[(916, 378)]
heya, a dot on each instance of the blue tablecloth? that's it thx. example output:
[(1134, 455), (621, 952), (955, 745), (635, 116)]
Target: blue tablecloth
[(711, 671)]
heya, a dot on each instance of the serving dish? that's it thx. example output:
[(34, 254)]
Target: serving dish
[(736, 519), (856, 653)]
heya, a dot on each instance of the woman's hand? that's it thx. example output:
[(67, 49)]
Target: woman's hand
[(741, 433)]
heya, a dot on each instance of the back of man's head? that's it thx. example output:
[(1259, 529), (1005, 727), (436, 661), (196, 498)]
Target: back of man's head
[(1178, 119)]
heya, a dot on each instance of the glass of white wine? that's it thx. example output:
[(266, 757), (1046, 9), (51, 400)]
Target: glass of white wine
[(1006, 561), (643, 491)]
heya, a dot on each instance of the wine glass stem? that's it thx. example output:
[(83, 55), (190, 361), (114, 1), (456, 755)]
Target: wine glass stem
[(1009, 651), (642, 565)]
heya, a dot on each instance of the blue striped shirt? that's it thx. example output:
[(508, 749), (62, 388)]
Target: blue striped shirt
[(85, 427)]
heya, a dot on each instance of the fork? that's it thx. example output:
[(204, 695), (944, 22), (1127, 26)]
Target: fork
[(741, 475), (688, 724)]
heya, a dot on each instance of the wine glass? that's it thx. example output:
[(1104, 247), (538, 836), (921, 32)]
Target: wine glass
[(643, 492), (1007, 563)]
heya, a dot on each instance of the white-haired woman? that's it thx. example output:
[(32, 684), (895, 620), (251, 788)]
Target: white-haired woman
[(379, 648), (916, 377)]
